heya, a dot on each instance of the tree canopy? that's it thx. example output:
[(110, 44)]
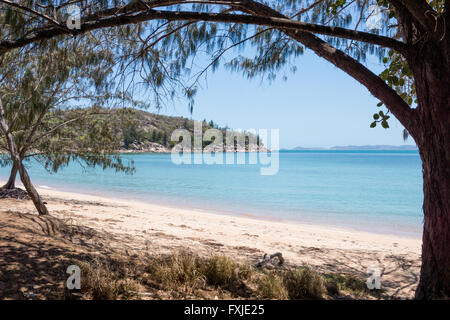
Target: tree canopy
[(158, 41)]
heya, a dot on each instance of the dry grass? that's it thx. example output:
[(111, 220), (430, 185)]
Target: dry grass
[(296, 284), (178, 272), (101, 282), (187, 273), (304, 283), (49, 245), (272, 287), (223, 271)]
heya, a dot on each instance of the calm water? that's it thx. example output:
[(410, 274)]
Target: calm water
[(377, 191)]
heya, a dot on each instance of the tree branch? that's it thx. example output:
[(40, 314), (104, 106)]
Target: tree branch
[(399, 108), (282, 23), (8, 135), (32, 11), (43, 135), (263, 15)]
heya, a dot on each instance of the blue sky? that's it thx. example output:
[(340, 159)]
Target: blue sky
[(318, 106)]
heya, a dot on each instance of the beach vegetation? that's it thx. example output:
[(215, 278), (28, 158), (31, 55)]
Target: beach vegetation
[(304, 283), (271, 287), (50, 114), (337, 283), (185, 274), (102, 282), (110, 270)]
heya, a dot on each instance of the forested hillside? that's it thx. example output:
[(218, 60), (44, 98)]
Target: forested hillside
[(142, 131)]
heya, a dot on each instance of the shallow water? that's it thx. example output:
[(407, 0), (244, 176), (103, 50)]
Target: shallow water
[(379, 191)]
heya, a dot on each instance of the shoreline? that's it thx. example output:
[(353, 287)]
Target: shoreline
[(105, 198), (137, 226), (261, 215), (110, 198), (258, 215)]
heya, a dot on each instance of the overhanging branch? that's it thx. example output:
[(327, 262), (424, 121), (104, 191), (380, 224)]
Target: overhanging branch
[(92, 23), (265, 16), (399, 108)]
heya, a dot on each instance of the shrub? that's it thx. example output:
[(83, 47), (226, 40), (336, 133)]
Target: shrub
[(220, 271), (347, 283), (271, 286), (100, 283), (304, 283), (177, 270), (187, 272)]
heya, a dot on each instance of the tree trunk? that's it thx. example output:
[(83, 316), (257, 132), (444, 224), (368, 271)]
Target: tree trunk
[(31, 190), (435, 271), (17, 162), (432, 134), (11, 184)]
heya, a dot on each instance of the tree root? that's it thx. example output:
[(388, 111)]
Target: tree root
[(15, 193)]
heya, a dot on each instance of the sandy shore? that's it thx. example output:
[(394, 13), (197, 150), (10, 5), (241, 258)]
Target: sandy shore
[(161, 229)]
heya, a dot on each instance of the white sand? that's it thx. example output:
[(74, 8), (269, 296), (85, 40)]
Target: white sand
[(160, 229)]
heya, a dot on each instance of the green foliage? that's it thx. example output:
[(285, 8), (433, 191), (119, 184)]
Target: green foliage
[(223, 271), (382, 118), (92, 140), (272, 286), (345, 283), (51, 92), (304, 283), (164, 55), (160, 59), (130, 135), (398, 76), (135, 128)]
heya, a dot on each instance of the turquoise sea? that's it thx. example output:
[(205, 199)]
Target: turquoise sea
[(377, 191)]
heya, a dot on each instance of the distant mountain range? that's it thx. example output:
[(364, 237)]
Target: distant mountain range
[(375, 147)]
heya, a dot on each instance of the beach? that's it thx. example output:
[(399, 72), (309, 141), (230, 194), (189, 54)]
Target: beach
[(144, 227), (369, 191)]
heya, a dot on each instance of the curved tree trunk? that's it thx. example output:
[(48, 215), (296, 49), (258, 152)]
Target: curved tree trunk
[(31, 190), (17, 162), (11, 184)]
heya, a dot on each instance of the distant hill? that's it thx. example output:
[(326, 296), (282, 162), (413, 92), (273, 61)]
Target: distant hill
[(374, 147), (143, 131)]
